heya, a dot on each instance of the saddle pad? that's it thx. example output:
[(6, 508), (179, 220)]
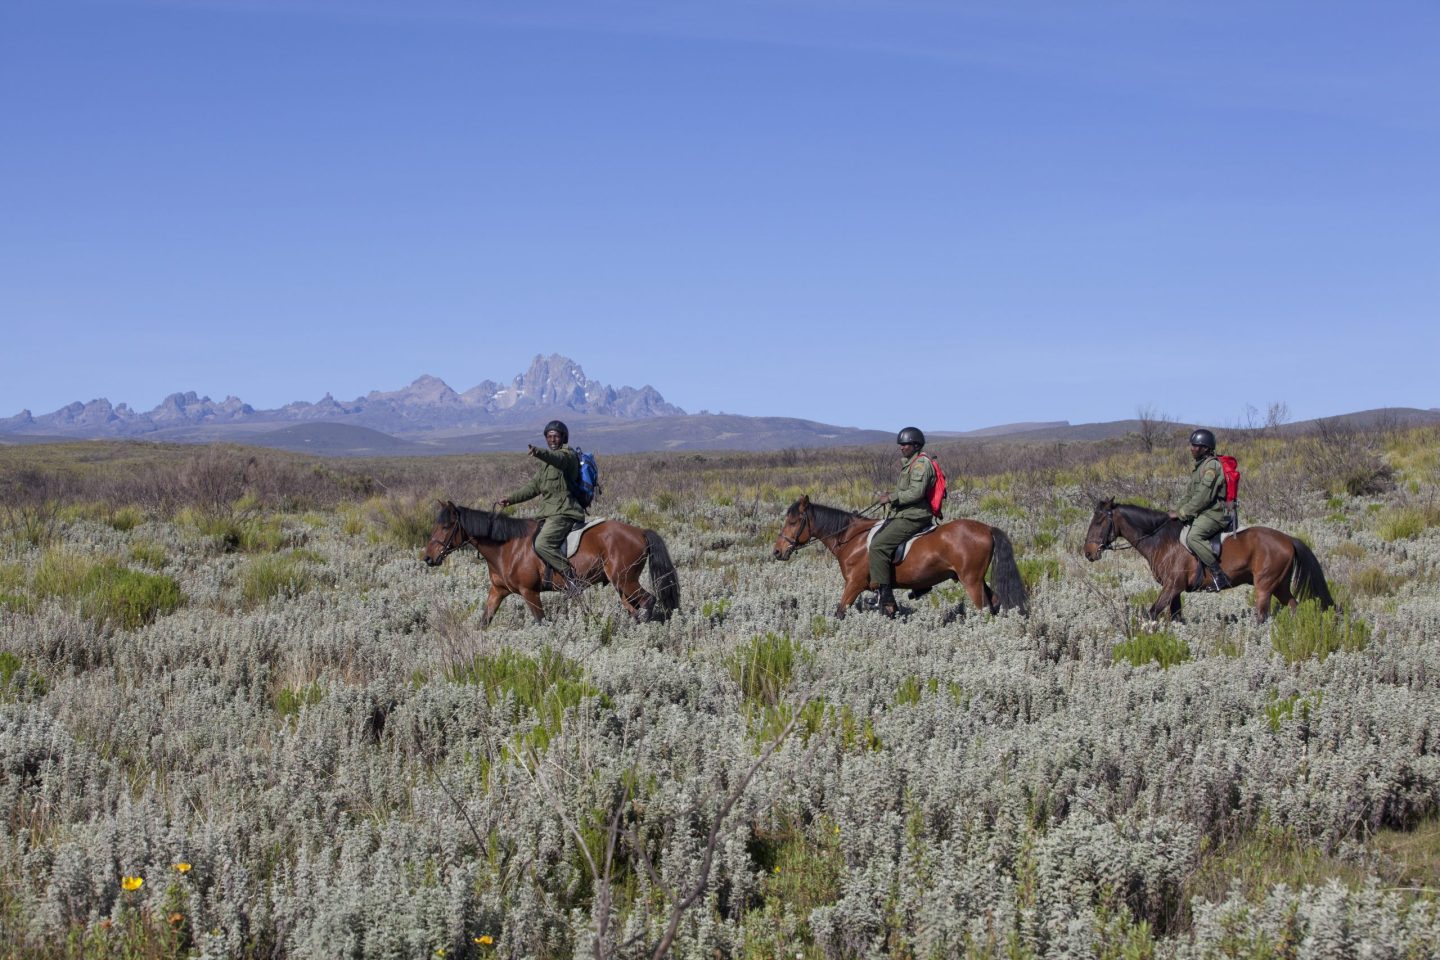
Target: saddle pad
[(572, 540), (904, 547)]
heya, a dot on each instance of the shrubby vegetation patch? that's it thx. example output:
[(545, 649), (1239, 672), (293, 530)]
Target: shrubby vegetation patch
[(347, 765)]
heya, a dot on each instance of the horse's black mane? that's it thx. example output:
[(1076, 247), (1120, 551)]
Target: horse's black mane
[(1148, 521), (485, 524), (825, 521)]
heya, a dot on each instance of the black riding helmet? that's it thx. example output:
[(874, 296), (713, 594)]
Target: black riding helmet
[(911, 435), (557, 426), (1203, 438)]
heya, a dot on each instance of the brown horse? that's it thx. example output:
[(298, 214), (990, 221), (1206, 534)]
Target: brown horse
[(960, 550), (612, 552), (1262, 556)]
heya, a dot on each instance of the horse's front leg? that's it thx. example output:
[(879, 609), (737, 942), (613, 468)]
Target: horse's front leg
[(1167, 603), (532, 601), (854, 586), (492, 603)]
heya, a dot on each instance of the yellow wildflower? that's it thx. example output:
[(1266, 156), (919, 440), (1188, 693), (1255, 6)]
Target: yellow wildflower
[(485, 940), (132, 883), (182, 867)]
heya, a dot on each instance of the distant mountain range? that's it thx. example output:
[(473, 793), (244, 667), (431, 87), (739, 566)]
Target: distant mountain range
[(426, 408), (428, 417)]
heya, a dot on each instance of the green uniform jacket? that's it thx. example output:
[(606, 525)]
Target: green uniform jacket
[(911, 499), (1205, 496), (552, 484)]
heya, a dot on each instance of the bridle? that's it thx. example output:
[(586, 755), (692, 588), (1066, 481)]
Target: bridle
[(451, 542), (1108, 534), (794, 542)]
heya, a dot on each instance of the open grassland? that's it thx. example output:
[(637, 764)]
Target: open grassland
[(238, 717)]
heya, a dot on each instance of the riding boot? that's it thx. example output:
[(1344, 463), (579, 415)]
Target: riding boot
[(887, 602), (1218, 580)]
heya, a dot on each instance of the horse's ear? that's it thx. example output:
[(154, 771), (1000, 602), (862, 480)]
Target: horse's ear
[(1108, 504), (804, 501)]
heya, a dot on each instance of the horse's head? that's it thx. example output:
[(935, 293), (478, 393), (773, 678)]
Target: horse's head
[(1101, 533), (446, 536), (797, 530)]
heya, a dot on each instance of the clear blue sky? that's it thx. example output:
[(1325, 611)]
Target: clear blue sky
[(865, 212)]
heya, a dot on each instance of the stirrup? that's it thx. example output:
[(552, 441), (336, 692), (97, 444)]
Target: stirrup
[(1218, 580), (573, 587)]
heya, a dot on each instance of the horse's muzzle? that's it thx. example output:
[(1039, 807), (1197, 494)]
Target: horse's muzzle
[(1092, 552), (779, 554)]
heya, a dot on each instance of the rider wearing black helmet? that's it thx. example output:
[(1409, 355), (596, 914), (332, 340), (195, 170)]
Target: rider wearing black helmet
[(1204, 505), (559, 512), (909, 514)]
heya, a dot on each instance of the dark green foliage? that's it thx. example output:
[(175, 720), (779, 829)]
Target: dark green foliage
[(289, 701), (16, 682), (1152, 646), (117, 595)]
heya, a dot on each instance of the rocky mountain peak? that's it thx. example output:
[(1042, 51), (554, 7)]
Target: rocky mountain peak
[(426, 407)]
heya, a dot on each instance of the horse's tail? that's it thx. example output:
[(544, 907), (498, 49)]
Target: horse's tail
[(1007, 583), (1309, 578), (663, 573)]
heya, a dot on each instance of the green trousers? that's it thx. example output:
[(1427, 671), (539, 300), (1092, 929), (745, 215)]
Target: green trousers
[(1198, 540), (550, 542), (883, 547)]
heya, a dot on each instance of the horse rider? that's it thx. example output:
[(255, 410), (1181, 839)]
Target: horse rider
[(1204, 505), (553, 483), (909, 509)]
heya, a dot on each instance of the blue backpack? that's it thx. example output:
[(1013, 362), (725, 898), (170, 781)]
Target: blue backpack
[(588, 488)]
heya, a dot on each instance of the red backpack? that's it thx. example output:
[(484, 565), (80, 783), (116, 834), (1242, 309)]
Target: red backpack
[(937, 492), (1231, 468)]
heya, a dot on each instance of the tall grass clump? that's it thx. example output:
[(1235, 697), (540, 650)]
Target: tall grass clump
[(1161, 647), (765, 666), (278, 576), (126, 518), (545, 686), (116, 595), (403, 521), (1035, 569), (1307, 631), (60, 573), (108, 592), (1407, 523)]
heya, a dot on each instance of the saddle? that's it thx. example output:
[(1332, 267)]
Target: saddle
[(572, 540), (904, 547), (1217, 542)]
